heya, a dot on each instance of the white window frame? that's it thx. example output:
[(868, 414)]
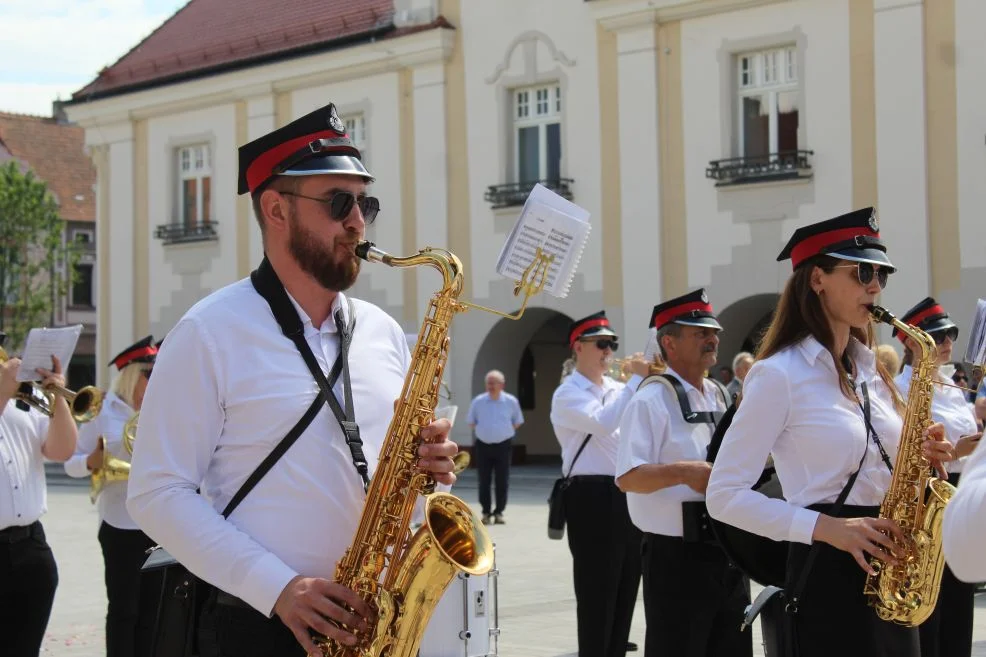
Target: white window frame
[(355, 123), (528, 109), (767, 73), (199, 161)]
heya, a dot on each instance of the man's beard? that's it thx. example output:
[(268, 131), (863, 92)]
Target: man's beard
[(321, 262)]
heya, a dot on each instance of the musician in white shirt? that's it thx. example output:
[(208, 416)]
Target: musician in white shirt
[(123, 544), (803, 404), (229, 385), (964, 526), (948, 631), (694, 598), (604, 543), (28, 573)]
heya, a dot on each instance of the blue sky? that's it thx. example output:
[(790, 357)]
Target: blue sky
[(51, 48)]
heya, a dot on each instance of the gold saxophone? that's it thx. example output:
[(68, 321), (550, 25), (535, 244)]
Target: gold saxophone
[(403, 576), (906, 594)]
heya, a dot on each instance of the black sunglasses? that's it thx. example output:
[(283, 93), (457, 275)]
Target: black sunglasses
[(951, 332), (341, 203), (604, 344), (865, 272)]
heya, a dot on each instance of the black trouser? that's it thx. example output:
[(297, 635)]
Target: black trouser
[(124, 551), (605, 549), (28, 579), (948, 631), (833, 616), (693, 600), (230, 628), (493, 458)]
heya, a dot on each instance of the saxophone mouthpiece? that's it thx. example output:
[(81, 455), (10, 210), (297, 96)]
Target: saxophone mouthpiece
[(368, 251), (881, 314)]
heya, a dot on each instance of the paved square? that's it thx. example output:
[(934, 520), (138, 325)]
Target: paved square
[(536, 603)]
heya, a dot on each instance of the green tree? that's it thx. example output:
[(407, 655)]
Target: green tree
[(36, 265)]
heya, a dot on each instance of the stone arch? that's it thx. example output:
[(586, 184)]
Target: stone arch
[(530, 352), (743, 322)]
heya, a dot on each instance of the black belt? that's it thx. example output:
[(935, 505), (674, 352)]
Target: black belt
[(592, 479), (228, 600), (19, 533)]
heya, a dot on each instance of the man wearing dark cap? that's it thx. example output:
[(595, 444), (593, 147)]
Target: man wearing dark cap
[(28, 574), (123, 544), (232, 385), (585, 413), (694, 600), (949, 629)]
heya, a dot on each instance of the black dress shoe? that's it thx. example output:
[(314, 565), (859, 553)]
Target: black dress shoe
[(631, 646)]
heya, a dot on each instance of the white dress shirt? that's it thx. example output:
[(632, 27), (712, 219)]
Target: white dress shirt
[(948, 406), (111, 505), (794, 409), (580, 407), (964, 525), (654, 431), (23, 492), (227, 389)]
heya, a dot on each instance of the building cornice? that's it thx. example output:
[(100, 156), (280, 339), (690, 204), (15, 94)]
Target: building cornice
[(429, 46), (615, 15)]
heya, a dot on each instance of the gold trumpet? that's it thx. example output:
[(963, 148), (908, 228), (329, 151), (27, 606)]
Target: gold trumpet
[(617, 369), (113, 468), (84, 404)]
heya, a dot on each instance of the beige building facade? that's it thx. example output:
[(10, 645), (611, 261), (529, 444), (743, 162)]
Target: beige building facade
[(699, 134)]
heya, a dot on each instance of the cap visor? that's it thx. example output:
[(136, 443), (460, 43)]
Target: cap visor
[(872, 256), (940, 324), (330, 165), (705, 322), (598, 332)]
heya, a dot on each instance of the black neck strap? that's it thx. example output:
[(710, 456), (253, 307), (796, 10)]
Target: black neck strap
[(269, 286)]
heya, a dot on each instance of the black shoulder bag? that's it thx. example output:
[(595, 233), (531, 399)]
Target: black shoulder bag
[(556, 500), (175, 616)]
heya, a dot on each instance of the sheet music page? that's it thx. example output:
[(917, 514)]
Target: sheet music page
[(976, 351), (41, 343), (558, 227)]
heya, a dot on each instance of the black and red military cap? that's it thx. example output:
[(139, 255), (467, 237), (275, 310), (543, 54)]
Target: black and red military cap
[(692, 309), (853, 236), (315, 144), (142, 351), (593, 326), (930, 317)]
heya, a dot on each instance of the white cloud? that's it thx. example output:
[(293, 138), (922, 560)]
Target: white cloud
[(57, 46)]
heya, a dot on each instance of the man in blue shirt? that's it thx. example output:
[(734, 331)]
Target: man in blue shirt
[(494, 417)]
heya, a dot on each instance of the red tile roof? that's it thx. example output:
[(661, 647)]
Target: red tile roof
[(206, 35), (54, 151)]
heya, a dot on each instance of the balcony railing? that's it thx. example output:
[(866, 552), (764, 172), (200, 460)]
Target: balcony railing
[(760, 168), (181, 233), (514, 194)]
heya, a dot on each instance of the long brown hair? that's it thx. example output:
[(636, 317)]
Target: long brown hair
[(799, 314)]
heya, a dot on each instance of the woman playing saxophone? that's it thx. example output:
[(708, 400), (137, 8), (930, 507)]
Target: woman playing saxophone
[(818, 402)]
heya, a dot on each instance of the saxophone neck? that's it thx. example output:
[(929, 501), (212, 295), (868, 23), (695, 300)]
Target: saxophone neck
[(925, 342), (446, 262)]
